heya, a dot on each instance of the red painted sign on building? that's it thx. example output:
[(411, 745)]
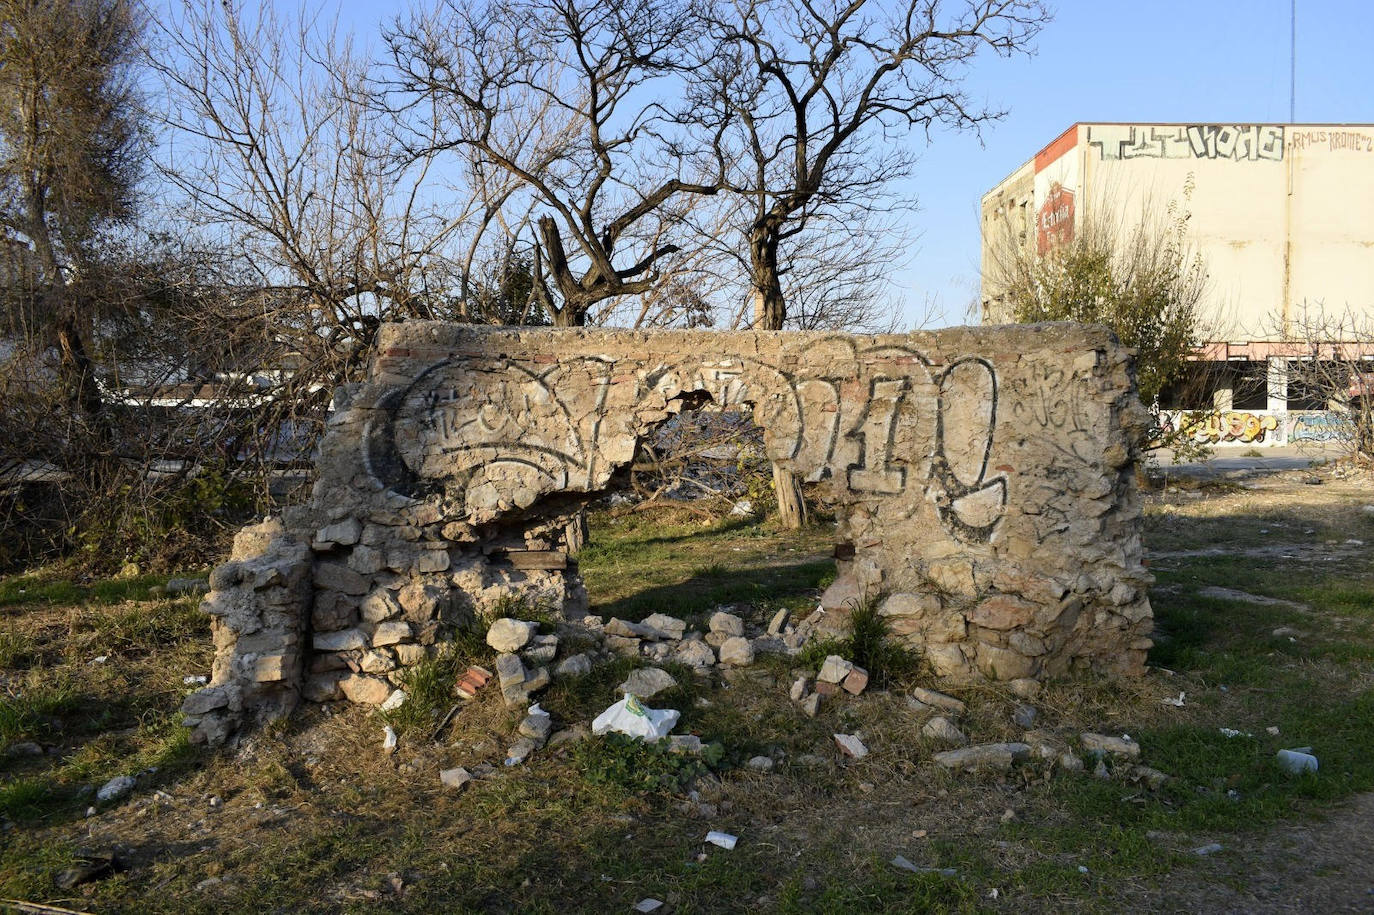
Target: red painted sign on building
[(1054, 222)]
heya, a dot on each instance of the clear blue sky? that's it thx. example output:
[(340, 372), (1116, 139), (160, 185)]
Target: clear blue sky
[(1207, 61)]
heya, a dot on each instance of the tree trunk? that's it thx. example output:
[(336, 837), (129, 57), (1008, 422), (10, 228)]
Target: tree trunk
[(770, 310)]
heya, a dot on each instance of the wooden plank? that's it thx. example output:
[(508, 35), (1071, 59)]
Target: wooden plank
[(536, 559)]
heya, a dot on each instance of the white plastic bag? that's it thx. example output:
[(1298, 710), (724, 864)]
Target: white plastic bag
[(630, 716)]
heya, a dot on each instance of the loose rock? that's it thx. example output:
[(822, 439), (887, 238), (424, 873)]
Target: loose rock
[(736, 652), (938, 700), (1117, 746), (984, 756), (647, 682), (942, 729), (507, 635)]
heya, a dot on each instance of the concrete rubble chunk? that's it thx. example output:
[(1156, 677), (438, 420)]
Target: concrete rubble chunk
[(726, 623), (364, 690), (647, 682), (811, 705), (984, 756), (736, 651), (1103, 743), (942, 729), (510, 670), (508, 635), (938, 700), (344, 533), (800, 687)]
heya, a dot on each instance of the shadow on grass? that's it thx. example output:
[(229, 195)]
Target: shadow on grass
[(713, 585)]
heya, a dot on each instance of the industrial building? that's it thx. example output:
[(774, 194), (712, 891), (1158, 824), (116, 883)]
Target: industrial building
[(1282, 216)]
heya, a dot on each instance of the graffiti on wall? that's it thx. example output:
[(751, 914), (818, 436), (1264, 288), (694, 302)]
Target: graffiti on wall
[(1228, 426), (1054, 222), (461, 435), (1319, 426), (1238, 142), (1331, 140)]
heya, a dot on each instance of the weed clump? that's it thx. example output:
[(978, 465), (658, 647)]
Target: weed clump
[(635, 765)]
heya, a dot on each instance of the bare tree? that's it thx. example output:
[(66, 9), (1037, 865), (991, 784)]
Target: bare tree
[(1332, 367), (602, 157), (805, 98)]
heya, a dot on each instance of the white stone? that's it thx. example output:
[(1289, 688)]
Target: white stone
[(390, 633), (726, 623), (834, 669), (942, 729), (579, 665), (507, 635), (851, 745), (647, 682), (115, 789), (342, 640), (737, 652), (455, 778)]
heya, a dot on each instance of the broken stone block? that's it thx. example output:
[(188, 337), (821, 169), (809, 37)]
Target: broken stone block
[(510, 670), (343, 640), (537, 726), (695, 654), (508, 635), (800, 687), (942, 729), (856, 681), (389, 633), (1024, 688), (205, 700), (579, 665), (380, 605), (984, 756), (726, 623), (811, 705), (834, 669), (364, 690), (736, 651), (538, 679), (344, 533), (409, 655), (377, 662), (340, 578), (322, 687), (647, 682), (272, 668), (668, 627), (851, 745), (779, 621), (1102, 743), (938, 700), (457, 778)]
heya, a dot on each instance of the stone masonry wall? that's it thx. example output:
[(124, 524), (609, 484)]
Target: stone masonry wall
[(984, 478)]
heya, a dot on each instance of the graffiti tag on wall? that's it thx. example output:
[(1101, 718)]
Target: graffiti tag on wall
[(1238, 142), (1331, 140), (1320, 426), (1227, 426)]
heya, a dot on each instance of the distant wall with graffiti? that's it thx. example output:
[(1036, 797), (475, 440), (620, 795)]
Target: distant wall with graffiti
[(1254, 427), (1238, 142)]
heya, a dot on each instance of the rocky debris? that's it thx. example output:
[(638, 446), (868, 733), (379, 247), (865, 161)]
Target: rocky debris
[(856, 681), (1070, 762), (521, 750), (695, 654), (472, 680), (578, 665), (736, 651), (851, 745), (517, 683), (779, 621), (1150, 778), (1100, 744), (800, 688), (1209, 849), (984, 756), (568, 735), (115, 789), (938, 700), (833, 670), (509, 635), (89, 865), (761, 763), (811, 705), (1023, 716), (942, 729), (902, 864), (541, 650), (1025, 688), (688, 744), (364, 690), (726, 624), (666, 627), (647, 682), (457, 778), (187, 586), (722, 839), (537, 725)]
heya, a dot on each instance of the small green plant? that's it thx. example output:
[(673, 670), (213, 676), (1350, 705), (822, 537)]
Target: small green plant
[(523, 605), (634, 765), (429, 691), (873, 649)]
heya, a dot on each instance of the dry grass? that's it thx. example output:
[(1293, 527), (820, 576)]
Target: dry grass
[(313, 816)]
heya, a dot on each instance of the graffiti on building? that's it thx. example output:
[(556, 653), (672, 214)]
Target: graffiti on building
[(1319, 426), (1239, 142), (1331, 140), (1228, 426)]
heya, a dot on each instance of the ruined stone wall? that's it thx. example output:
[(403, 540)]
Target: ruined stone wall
[(983, 478)]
